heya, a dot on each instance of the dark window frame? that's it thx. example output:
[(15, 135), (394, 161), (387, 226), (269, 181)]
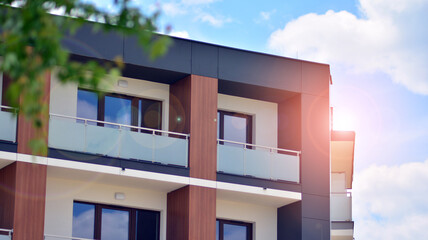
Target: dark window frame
[(249, 128), (135, 111), (132, 231), (221, 222)]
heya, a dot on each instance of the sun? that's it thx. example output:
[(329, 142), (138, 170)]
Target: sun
[(343, 121)]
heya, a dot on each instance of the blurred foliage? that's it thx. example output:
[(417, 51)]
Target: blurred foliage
[(30, 47)]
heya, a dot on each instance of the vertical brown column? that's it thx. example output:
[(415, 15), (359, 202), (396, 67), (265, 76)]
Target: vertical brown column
[(191, 210), (24, 191)]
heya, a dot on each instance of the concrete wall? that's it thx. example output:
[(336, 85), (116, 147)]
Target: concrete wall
[(60, 194), (338, 183), (264, 218), (64, 97), (265, 117)]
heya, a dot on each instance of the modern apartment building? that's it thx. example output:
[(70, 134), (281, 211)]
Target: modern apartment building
[(207, 142), (342, 171)]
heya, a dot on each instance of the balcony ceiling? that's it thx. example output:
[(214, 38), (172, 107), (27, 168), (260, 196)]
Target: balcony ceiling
[(342, 154)]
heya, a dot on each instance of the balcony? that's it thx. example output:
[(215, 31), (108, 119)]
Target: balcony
[(258, 161), (6, 234), (117, 140), (58, 237), (341, 206), (8, 124)]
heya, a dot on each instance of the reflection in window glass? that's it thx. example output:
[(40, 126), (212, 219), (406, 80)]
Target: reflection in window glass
[(117, 110), (217, 230), (234, 232), (150, 113), (83, 220), (114, 224), (147, 225), (235, 128), (87, 105)]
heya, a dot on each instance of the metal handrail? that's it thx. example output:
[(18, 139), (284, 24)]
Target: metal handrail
[(120, 125), (9, 231), (348, 194), (66, 237), (7, 107), (260, 146)]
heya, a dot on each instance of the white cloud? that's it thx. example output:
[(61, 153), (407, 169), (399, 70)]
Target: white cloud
[(390, 37), (266, 15), (390, 202), (197, 2), (216, 21), (173, 9), (180, 34)]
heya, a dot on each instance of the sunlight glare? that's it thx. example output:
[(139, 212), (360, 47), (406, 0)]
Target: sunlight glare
[(343, 121)]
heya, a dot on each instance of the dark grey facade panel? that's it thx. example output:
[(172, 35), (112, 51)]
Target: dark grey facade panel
[(177, 59), (315, 229), (204, 60), (289, 222), (94, 44), (338, 225), (258, 182), (192, 57), (315, 157), (116, 162), (259, 69), (253, 92), (152, 74), (8, 146), (314, 206)]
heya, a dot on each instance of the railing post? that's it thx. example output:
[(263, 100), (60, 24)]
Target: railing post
[(154, 146), (244, 155), (86, 135), (119, 142)]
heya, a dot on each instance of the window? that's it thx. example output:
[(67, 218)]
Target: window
[(235, 127), (233, 230), (118, 108), (6, 81), (105, 222)]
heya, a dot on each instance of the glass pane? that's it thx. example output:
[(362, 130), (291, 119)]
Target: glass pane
[(235, 128), (117, 110), (147, 225), (151, 113), (217, 230), (234, 232), (218, 125), (114, 224), (83, 220), (87, 105)]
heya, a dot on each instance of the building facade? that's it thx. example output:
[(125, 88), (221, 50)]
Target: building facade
[(342, 172), (207, 142)]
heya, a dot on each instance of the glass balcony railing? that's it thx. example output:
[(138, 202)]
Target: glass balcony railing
[(6, 234), (58, 237), (341, 206), (8, 124), (257, 161), (117, 140)]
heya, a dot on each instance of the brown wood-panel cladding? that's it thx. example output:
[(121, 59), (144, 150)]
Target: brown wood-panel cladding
[(203, 128), (179, 106), (7, 195), (30, 194), (26, 131), (22, 200), (177, 220), (202, 204), (191, 213), (193, 109)]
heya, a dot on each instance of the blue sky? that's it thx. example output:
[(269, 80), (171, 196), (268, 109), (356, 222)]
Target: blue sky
[(378, 53)]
